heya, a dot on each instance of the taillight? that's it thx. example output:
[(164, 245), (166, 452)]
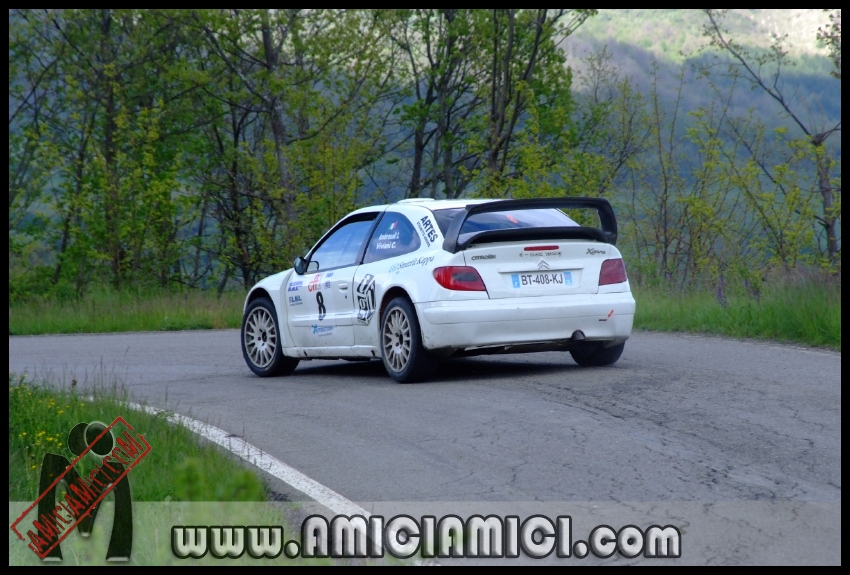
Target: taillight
[(459, 278), (612, 272)]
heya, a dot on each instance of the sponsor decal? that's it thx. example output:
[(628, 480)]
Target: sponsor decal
[(513, 219), (484, 257), (423, 261), (327, 285), (322, 330), (366, 299), (295, 300), (593, 252), (540, 254), (329, 275), (315, 283), (426, 228), (294, 286)]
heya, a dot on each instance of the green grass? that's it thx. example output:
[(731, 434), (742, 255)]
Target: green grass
[(805, 310), (800, 312), (106, 310), (179, 467)]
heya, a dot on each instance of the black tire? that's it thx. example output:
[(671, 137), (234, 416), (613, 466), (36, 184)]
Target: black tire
[(596, 355), (405, 359), (261, 345)]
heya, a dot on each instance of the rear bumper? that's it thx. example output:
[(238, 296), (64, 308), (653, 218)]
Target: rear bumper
[(460, 325)]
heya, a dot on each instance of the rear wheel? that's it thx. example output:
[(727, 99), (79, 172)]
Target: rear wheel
[(596, 355), (405, 359), (261, 345)]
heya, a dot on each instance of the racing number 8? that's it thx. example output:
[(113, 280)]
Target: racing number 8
[(321, 301)]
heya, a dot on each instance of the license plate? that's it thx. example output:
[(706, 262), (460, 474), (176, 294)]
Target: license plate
[(552, 279)]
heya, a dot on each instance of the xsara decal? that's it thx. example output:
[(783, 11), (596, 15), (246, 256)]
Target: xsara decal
[(593, 252), (366, 299)]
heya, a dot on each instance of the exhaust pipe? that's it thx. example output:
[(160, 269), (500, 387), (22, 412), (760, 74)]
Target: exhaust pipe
[(578, 335)]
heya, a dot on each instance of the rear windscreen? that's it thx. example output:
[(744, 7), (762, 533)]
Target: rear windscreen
[(507, 220)]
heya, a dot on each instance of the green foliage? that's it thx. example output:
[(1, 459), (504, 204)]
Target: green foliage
[(797, 308), (184, 149), (102, 309)]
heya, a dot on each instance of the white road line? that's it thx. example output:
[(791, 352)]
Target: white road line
[(253, 455)]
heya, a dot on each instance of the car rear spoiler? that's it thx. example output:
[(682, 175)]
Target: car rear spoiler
[(608, 222)]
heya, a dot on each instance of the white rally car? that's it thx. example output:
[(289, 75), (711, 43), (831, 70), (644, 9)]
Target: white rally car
[(418, 281)]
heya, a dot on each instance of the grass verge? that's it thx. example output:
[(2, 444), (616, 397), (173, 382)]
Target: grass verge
[(803, 312), (807, 311), (107, 310)]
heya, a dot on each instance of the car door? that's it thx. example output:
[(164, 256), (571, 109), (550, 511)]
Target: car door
[(321, 304), (391, 246)]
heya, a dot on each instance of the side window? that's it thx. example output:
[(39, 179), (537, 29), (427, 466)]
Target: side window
[(341, 248), (394, 236)]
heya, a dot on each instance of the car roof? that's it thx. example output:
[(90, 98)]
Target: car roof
[(427, 203)]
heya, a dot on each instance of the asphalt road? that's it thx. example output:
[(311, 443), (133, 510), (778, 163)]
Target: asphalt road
[(737, 443)]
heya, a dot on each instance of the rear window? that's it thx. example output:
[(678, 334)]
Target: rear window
[(506, 220)]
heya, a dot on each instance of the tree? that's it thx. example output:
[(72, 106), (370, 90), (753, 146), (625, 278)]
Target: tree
[(763, 71), (831, 36)]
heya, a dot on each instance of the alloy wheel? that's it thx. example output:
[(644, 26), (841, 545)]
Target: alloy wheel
[(397, 339), (260, 337)]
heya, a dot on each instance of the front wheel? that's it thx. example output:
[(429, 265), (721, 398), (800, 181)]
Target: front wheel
[(261, 345), (598, 356), (405, 359)]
